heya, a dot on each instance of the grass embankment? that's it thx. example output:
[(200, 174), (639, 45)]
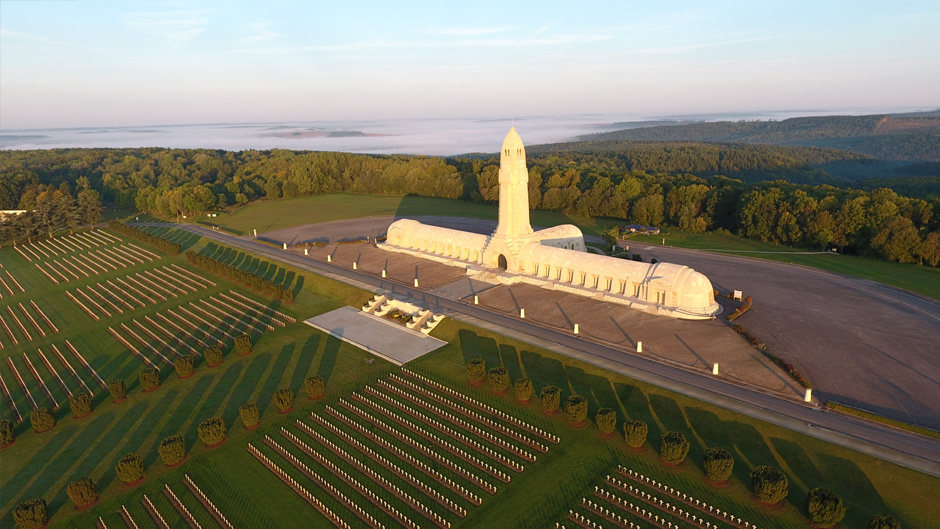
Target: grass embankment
[(920, 279), (882, 419), (42, 465)]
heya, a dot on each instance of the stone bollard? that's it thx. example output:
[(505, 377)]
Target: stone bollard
[(383, 273), (639, 347), (285, 245), (306, 251), (416, 282), (329, 258), (256, 233), (808, 397), (522, 313), (355, 266), (576, 330), (476, 300), (715, 368)]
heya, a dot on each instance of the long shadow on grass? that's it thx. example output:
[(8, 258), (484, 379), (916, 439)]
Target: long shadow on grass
[(245, 387), (637, 405), (328, 361), (39, 462), (799, 462), (274, 378), (745, 438), (211, 403), (852, 484), (305, 360), (182, 412), (544, 371), (298, 286)]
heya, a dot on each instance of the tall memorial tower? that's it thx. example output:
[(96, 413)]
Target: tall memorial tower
[(514, 230)]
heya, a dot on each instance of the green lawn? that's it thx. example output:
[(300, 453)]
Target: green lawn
[(41, 465), (921, 279)]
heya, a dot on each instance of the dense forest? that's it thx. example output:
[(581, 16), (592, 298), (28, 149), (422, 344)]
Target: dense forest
[(647, 185), (912, 137)]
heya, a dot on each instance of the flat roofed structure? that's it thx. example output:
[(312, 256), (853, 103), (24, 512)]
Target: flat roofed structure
[(555, 257)]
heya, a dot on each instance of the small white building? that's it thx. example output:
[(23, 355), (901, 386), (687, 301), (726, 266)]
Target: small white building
[(555, 257)]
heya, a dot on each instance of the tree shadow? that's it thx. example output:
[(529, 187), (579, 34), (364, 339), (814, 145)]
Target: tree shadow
[(40, 462), (172, 426), (328, 360), (798, 461), (509, 358), (298, 286), (274, 379), (746, 439), (211, 403), (472, 345), (246, 386), (305, 360), (850, 482), (637, 404)]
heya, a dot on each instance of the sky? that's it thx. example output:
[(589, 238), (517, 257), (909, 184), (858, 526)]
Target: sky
[(137, 63)]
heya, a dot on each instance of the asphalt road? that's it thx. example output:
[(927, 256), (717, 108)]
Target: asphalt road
[(907, 449)]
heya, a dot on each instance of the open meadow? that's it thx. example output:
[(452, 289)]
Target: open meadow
[(385, 446)]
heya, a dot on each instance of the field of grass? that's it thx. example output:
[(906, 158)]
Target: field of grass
[(920, 279), (41, 465)]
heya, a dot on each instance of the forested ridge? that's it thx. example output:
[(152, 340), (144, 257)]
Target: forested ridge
[(913, 136), (646, 185)]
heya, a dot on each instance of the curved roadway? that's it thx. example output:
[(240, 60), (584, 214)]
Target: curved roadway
[(898, 446)]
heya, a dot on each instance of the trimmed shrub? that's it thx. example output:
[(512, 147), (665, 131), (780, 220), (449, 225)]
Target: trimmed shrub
[(130, 468), (284, 399), (118, 390), (82, 491), (673, 447), (606, 420), (825, 507), (718, 464), (476, 369), (213, 355), (884, 521), (769, 484), (576, 409), (498, 379), (31, 514), (172, 450), (42, 420), (314, 386), (212, 431), (81, 404), (522, 389), (150, 379), (7, 433), (550, 398), (243, 344), (249, 414), (184, 366), (634, 433)]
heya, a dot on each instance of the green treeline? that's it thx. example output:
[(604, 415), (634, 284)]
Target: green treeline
[(647, 185)]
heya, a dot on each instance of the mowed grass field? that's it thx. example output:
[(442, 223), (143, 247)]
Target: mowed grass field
[(41, 465), (272, 215)]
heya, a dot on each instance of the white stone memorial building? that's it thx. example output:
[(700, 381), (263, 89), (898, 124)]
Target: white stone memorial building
[(554, 258)]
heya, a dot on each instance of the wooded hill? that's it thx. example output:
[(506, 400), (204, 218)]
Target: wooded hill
[(905, 137)]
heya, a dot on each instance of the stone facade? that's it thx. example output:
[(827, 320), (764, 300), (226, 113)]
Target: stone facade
[(555, 257)]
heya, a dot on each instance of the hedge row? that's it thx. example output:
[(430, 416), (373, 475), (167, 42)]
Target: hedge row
[(240, 276), (157, 242)]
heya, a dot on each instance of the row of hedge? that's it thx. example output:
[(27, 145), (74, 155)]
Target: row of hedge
[(159, 243), (238, 275)]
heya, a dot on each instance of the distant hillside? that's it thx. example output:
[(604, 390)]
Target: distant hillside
[(901, 137)]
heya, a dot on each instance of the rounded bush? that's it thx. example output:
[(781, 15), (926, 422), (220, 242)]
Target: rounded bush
[(550, 398), (80, 404), (7, 433), (172, 450), (184, 366), (476, 369), (130, 468), (314, 386), (243, 345), (634, 433), (718, 465), (522, 388), (606, 420), (498, 379), (82, 491), (118, 390), (576, 409), (212, 431), (769, 484), (825, 507), (213, 355), (673, 447), (31, 514), (249, 415), (284, 399), (42, 420), (150, 379), (884, 521)]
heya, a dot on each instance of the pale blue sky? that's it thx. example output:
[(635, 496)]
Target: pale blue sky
[(101, 63)]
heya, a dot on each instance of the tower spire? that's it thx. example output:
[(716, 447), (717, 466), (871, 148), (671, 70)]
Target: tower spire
[(513, 189)]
